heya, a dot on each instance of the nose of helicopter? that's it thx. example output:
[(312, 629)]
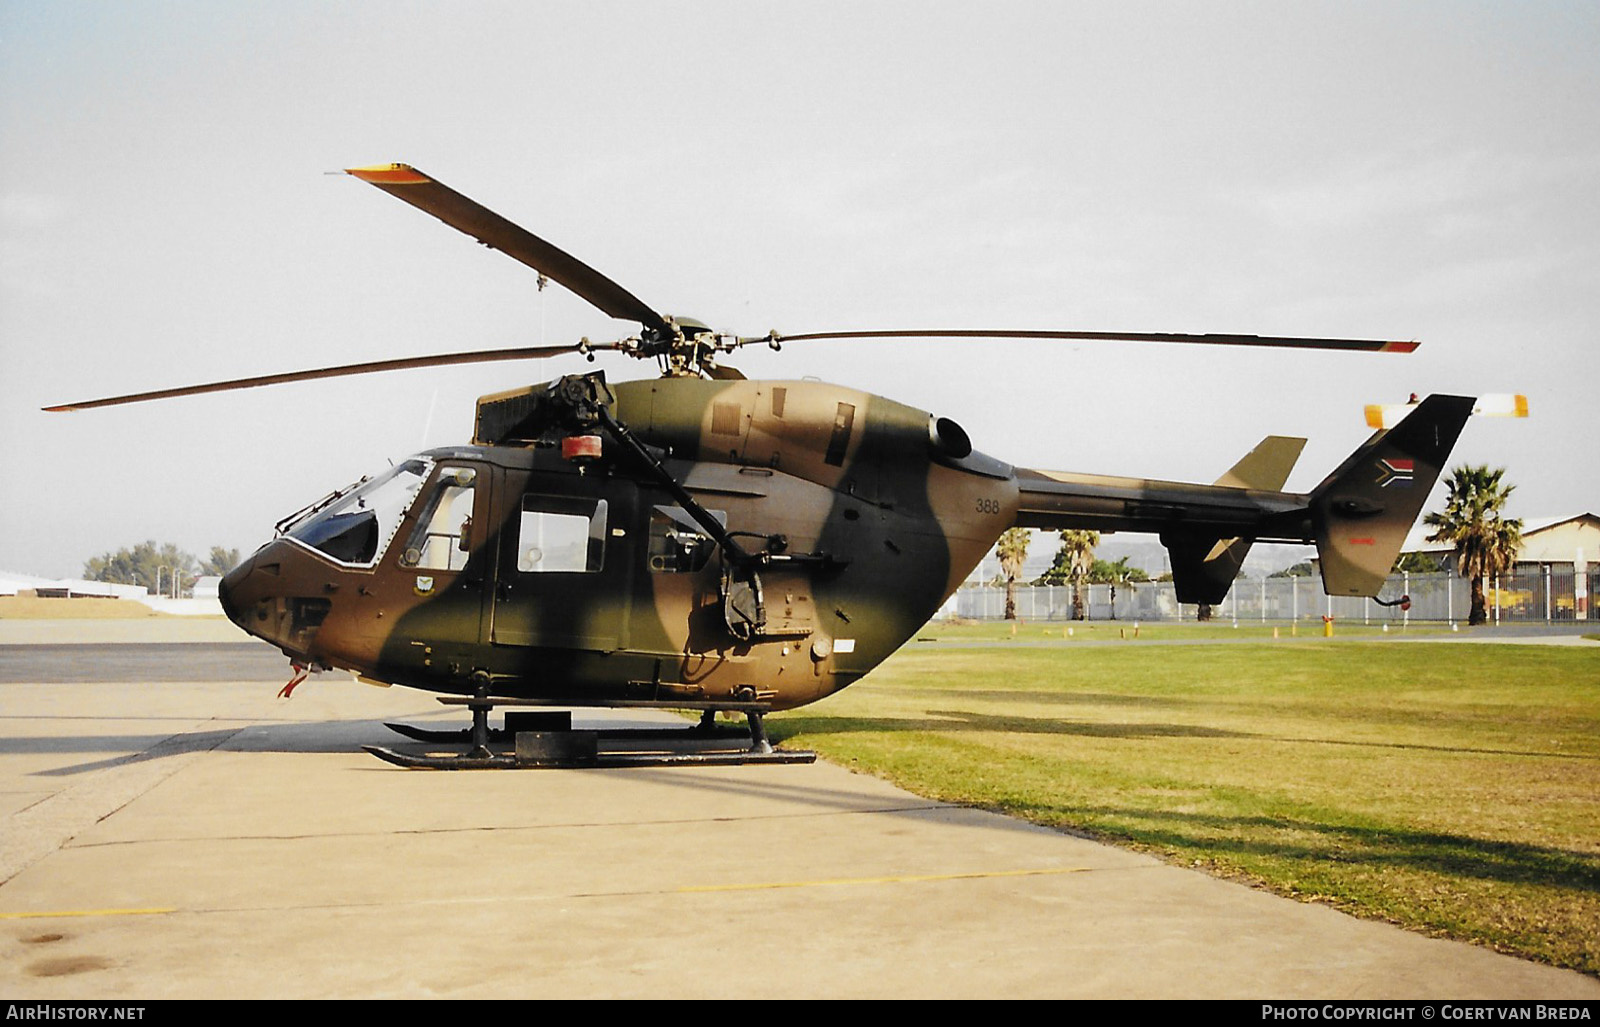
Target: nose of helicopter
[(264, 601), (229, 591), (247, 593)]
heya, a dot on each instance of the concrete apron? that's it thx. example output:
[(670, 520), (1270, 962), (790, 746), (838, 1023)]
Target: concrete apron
[(210, 840)]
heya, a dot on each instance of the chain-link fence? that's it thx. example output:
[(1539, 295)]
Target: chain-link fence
[(1543, 593)]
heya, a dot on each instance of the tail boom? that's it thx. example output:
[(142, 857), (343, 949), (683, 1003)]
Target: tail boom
[(1358, 517)]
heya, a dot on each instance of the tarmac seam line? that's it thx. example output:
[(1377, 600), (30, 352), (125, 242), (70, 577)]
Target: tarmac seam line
[(570, 825), (893, 879), (681, 890), (47, 826)]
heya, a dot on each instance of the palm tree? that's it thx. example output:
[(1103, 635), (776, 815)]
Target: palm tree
[(1073, 560), (1486, 542), (1012, 549)]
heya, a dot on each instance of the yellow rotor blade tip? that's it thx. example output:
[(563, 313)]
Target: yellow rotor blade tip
[(389, 174)]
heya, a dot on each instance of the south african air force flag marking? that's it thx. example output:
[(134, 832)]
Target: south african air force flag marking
[(1393, 471)]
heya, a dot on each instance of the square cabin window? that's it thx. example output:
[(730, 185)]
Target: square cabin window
[(560, 534), (442, 539)]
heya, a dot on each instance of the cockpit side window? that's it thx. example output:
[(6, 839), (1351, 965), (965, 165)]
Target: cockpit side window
[(442, 539), (356, 528), (561, 534)]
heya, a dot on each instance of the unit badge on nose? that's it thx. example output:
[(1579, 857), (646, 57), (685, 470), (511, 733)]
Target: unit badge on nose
[(424, 584)]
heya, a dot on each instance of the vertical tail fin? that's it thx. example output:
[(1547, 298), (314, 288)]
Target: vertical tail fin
[(1363, 510)]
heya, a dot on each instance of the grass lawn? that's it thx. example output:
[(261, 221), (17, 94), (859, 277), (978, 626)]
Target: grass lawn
[(1454, 789), (1162, 631)]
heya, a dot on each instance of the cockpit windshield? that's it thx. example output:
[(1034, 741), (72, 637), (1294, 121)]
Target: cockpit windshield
[(355, 528)]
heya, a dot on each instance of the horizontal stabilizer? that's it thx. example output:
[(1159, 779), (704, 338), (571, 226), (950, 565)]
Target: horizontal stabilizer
[(1267, 466), (1204, 565), (1362, 512)]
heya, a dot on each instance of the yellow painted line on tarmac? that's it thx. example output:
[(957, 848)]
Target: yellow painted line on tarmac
[(902, 879), (54, 914)]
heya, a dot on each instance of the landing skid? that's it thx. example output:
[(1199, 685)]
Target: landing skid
[(602, 760), (547, 739), (508, 735)]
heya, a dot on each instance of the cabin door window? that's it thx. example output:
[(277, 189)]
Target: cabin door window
[(563, 582)]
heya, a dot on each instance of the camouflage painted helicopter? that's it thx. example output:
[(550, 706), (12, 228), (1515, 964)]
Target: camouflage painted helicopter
[(702, 541)]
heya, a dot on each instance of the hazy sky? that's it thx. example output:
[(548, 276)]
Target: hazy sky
[(1382, 170)]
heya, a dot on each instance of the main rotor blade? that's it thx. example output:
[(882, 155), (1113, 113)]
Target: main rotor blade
[(1286, 342), (494, 231), (400, 364)]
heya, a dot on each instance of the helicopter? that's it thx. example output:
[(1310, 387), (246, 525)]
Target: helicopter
[(704, 542)]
